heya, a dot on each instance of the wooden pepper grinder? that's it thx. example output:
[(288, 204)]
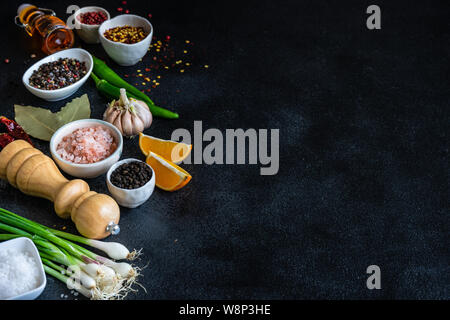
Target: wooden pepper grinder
[(95, 215)]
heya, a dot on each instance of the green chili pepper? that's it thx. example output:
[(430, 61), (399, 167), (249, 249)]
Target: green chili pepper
[(112, 92), (106, 73)]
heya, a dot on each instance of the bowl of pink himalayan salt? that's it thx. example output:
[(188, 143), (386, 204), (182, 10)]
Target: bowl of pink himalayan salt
[(86, 148)]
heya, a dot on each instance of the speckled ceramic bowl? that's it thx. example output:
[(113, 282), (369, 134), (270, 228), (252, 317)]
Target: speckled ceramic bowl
[(130, 198)]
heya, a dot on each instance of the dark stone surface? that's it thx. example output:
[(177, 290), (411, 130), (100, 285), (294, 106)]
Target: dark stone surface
[(364, 150)]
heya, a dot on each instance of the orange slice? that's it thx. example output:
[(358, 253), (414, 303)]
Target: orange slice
[(168, 176), (171, 150)]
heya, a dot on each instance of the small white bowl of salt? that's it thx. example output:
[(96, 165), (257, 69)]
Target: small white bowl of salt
[(22, 275)]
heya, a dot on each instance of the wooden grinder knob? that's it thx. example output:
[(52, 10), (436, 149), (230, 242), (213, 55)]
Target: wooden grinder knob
[(34, 173)]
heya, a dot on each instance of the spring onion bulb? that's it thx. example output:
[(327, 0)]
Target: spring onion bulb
[(125, 270), (71, 283), (92, 269), (114, 250)]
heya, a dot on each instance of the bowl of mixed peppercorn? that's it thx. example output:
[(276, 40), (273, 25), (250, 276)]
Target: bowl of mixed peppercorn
[(131, 182), (59, 75), (126, 38)]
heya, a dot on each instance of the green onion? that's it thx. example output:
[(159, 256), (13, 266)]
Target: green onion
[(101, 278), (71, 284)]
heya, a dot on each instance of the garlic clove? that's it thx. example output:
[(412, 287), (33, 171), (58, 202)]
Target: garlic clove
[(138, 124), (118, 121), (143, 112), (111, 114), (127, 124)]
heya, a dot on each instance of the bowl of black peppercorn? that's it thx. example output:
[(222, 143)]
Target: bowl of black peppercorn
[(131, 182)]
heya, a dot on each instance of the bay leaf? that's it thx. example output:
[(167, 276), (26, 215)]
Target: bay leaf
[(41, 123), (37, 122), (78, 108)]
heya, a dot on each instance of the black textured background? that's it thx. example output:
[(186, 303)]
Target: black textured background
[(364, 150)]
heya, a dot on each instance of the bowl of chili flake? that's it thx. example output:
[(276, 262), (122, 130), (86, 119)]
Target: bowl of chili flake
[(126, 38)]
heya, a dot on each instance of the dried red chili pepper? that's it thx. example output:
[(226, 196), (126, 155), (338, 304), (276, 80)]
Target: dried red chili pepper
[(5, 139), (13, 129)]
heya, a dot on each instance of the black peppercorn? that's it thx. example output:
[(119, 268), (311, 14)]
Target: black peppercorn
[(58, 74), (131, 175)]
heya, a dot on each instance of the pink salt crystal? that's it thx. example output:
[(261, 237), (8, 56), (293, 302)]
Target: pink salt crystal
[(87, 145)]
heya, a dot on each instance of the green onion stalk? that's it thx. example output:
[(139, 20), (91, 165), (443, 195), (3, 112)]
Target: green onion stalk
[(100, 277)]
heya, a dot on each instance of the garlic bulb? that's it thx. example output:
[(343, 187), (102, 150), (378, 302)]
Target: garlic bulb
[(131, 116)]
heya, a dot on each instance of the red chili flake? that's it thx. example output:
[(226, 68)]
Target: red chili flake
[(150, 15), (167, 37), (127, 11), (5, 139), (120, 9), (124, 3), (147, 69), (6, 60), (126, 76)]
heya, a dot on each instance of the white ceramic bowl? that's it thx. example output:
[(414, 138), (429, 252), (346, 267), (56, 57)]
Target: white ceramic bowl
[(62, 93), (87, 32), (122, 53), (130, 198), (26, 245), (89, 170)]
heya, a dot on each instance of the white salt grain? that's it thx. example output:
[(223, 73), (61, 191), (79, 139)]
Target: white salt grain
[(19, 273)]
